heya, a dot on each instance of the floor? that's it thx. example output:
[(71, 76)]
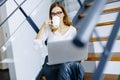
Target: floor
[(105, 76), (4, 74)]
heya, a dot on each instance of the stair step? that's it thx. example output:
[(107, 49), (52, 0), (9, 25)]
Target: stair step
[(102, 39), (111, 10), (105, 23), (107, 19), (106, 76), (91, 3), (111, 7), (102, 24), (104, 11), (103, 31), (96, 56)]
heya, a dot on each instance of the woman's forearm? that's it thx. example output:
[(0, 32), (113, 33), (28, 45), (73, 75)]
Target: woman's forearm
[(41, 31)]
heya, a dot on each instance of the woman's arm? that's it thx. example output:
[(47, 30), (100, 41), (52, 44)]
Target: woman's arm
[(42, 29), (41, 36)]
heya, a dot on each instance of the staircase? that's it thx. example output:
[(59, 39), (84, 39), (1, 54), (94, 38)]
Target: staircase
[(103, 28)]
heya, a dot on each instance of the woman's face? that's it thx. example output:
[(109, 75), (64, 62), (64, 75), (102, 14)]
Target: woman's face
[(57, 11)]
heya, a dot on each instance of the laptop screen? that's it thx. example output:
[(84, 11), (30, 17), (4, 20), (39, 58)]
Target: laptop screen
[(65, 51)]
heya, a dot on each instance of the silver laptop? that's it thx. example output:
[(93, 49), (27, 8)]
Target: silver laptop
[(65, 51)]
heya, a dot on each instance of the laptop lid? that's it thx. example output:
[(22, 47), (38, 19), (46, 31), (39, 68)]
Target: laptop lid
[(65, 51)]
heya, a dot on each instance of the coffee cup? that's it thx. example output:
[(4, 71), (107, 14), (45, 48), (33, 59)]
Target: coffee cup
[(56, 21)]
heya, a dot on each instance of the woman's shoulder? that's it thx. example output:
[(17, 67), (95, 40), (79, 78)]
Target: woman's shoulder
[(73, 31), (72, 28)]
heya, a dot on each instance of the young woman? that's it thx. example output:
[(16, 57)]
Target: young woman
[(52, 33)]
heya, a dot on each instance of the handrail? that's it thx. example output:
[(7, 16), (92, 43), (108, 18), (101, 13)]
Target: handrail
[(12, 13), (30, 21), (80, 3), (105, 56), (2, 2), (7, 43), (88, 23), (85, 31)]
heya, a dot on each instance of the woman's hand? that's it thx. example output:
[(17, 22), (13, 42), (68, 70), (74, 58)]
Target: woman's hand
[(44, 25), (47, 23)]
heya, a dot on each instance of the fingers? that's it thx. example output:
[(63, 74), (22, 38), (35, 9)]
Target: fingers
[(48, 22)]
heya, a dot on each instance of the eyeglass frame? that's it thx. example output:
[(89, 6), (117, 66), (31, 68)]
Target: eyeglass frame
[(56, 13)]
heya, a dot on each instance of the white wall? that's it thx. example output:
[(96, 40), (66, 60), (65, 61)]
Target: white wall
[(27, 60)]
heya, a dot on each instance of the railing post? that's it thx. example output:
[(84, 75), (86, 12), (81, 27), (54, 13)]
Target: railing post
[(107, 51), (79, 1)]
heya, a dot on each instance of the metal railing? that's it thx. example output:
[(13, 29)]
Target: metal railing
[(12, 13), (107, 50), (85, 31), (2, 2), (88, 23), (28, 18)]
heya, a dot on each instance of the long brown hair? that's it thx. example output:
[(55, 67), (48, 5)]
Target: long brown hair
[(66, 19)]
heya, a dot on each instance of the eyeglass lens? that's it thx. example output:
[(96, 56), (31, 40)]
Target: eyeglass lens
[(57, 13)]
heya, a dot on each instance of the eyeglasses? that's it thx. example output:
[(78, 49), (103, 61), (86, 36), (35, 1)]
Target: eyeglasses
[(57, 13)]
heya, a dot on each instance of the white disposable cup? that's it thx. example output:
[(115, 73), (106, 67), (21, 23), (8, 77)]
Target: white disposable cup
[(56, 21)]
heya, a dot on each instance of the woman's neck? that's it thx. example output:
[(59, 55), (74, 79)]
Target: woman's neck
[(62, 25)]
